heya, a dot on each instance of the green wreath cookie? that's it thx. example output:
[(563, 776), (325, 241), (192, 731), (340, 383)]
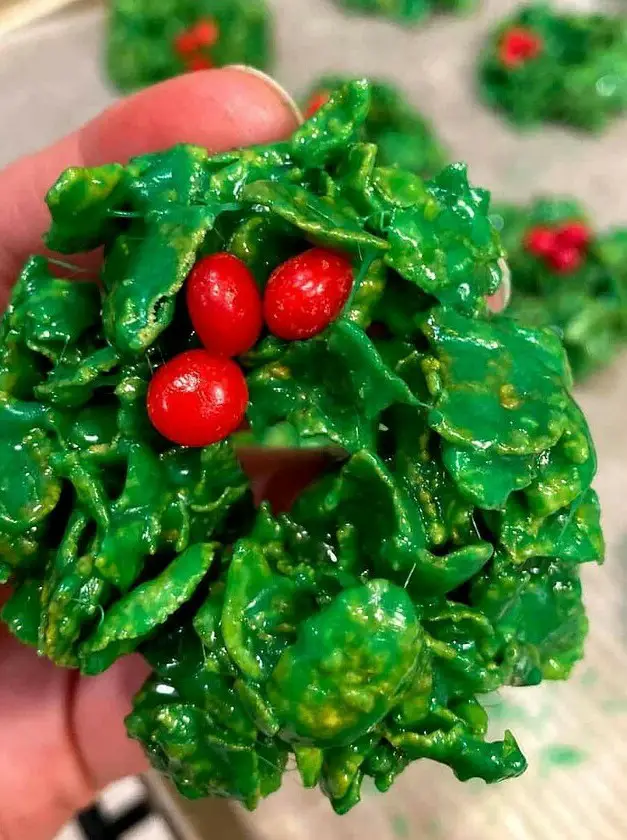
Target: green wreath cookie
[(407, 11), (403, 137), (338, 306), (541, 65), (153, 40), (567, 275)]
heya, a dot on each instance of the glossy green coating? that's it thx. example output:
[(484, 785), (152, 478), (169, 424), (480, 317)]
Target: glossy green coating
[(136, 615), (403, 137), (578, 76), (142, 37), (347, 666), (407, 11), (587, 305), (434, 560), (22, 612)]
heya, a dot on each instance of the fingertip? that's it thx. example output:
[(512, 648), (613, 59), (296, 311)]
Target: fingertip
[(101, 705), (273, 84), (219, 109)]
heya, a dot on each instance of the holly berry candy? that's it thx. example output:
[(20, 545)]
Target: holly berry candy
[(518, 46), (224, 304), (540, 240), (185, 44), (565, 260), (197, 399), (574, 235), (199, 62), (190, 43), (206, 32), (306, 293)]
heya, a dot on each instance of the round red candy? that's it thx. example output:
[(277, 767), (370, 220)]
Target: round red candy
[(224, 304), (573, 235), (198, 62), (540, 240), (197, 399), (306, 293), (206, 32), (186, 43), (565, 260), (518, 46)]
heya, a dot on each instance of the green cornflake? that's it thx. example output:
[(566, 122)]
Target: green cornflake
[(317, 387), (481, 398), (435, 559), (407, 11), (585, 298), (403, 137), (147, 39), (138, 614), (22, 612), (369, 635), (543, 65)]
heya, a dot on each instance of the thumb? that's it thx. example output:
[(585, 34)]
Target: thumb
[(219, 109)]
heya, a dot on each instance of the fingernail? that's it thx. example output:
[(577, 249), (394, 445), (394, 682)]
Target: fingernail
[(506, 281), (285, 96), (498, 302)]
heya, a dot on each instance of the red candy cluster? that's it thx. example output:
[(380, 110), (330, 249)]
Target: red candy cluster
[(518, 46), (563, 247), (193, 44), (200, 397)]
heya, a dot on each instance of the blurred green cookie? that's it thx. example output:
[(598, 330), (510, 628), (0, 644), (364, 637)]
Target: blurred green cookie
[(153, 40), (407, 11), (541, 66), (564, 274)]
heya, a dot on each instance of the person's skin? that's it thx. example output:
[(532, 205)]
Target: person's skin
[(63, 736)]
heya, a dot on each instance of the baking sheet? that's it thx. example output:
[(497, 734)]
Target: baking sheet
[(574, 734)]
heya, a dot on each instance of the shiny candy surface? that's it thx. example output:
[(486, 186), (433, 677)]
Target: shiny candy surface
[(224, 304), (197, 399), (306, 293)]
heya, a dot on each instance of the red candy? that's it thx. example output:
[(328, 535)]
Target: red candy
[(316, 102), (563, 248), (518, 46), (306, 293), (198, 62), (224, 304), (185, 43), (574, 235), (191, 43), (197, 399), (206, 33), (565, 260), (540, 240)]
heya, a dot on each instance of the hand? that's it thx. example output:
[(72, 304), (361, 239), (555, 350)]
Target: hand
[(63, 735)]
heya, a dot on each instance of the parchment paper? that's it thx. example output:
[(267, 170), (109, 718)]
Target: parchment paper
[(574, 734)]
